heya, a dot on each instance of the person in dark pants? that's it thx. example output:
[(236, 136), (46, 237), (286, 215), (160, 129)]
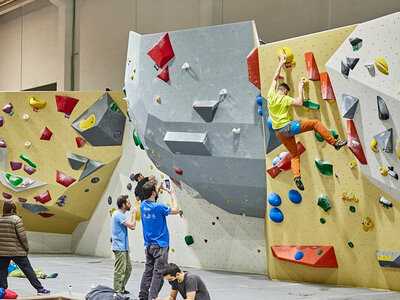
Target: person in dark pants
[(189, 285), (141, 180), (156, 238), (14, 246)]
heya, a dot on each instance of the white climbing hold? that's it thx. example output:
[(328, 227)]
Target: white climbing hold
[(185, 66), (369, 66), (125, 98), (385, 201), (27, 144), (236, 130), (26, 117), (223, 92)]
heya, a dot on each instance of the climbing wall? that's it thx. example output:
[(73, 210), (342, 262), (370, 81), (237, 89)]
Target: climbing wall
[(54, 172), (330, 232), (194, 112)]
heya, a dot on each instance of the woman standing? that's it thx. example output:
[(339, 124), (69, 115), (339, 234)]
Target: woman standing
[(14, 246)]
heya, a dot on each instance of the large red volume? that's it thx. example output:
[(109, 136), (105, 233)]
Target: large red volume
[(285, 163), (311, 65), (354, 143), (253, 68), (326, 87), (64, 179), (162, 52), (164, 75), (66, 104), (314, 256), (43, 197)]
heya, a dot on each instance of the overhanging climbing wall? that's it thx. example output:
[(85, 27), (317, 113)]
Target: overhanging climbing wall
[(40, 169), (194, 110), (337, 230)]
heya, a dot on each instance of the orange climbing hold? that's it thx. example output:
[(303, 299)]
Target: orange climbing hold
[(285, 163), (354, 143), (326, 87), (253, 68), (314, 256), (311, 65)]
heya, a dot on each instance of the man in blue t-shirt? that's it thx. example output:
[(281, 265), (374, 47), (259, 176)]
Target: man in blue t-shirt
[(120, 243), (156, 238)]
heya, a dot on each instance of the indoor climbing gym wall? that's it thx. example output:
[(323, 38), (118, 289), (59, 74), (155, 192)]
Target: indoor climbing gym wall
[(342, 229), (57, 154)]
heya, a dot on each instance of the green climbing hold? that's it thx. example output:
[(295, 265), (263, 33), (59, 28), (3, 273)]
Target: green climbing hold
[(14, 180), (324, 167), (351, 245), (323, 202), (309, 104), (319, 252), (136, 139), (181, 212), (352, 208), (321, 139), (322, 220), (27, 160), (189, 240), (124, 90), (114, 107)]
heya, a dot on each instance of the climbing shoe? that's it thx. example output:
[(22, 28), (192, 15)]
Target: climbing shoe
[(299, 184), (340, 144)]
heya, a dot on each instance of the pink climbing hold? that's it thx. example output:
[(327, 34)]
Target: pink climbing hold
[(46, 134), (64, 179)]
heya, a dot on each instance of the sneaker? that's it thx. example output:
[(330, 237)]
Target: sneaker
[(340, 144), (43, 291), (125, 292), (54, 275), (299, 184)]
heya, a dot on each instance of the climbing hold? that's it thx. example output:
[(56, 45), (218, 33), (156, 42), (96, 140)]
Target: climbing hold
[(181, 213), (323, 202), (66, 104), (351, 62), (36, 104), (15, 165), (27, 144), (88, 122), (326, 87), (385, 202), (64, 179), (177, 170), (25, 117), (392, 173), (276, 215), (29, 170), (90, 167), (43, 197), (320, 251), (299, 255), (7, 196), (61, 200), (260, 111), (137, 206), (185, 66), (351, 245), (275, 160), (228, 201), (189, 240), (398, 149), (352, 208), (236, 130), (206, 109), (132, 177), (80, 141), (310, 104), (95, 180), (253, 68), (8, 109), (223, 92), (354, 143), (385, 140), (149, 133), (269, 123), (132, 76), (162, 52), (373, 145), (381, 65), (22, 200), (86, 190), (153, 152), (356, 43), (46, 134), (383, 171), (324, 167), (289, 56), (259, 100), (27, 160), (383, 112), (151, 167), (322, 220), (258, 250), (14, 180), (2, 121), (349, 106), (164, 74), (367, 224), (112, 211), (311, 65), (388, 259), (274, 199), (345, 69), (129, 186), (349, 196), (285, 162), (158, 99), (295, 196), (321, 139)]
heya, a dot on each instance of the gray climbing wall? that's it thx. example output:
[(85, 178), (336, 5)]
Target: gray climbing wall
[(379, 39), (227, 169)]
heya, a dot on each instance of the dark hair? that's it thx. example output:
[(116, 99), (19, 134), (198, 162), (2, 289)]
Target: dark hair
[(148, 188), (9, 208), (171, 269), (121, 200), (137, 176), (283, 86)]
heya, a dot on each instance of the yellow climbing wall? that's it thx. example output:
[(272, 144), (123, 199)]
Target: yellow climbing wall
[(358, 266), (51, 155)]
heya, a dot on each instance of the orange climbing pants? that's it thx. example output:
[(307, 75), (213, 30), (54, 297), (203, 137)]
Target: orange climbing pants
[(288, 139)]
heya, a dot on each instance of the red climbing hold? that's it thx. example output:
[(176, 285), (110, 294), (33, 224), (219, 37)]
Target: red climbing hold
[(66, 104), (314, 256), (64, 179), (164, 75), (177, 170), (162, 52), (46, 134), (177, 183), (326, 87), (354, 143), (311, 65), (43, 197), (285, 163), (80, 141), (253, 68), (46, 215)]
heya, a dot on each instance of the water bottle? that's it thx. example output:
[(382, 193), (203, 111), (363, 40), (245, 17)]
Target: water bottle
[(70, 290)]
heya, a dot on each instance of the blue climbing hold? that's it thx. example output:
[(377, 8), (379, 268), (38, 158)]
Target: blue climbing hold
[(260, 111), (276, 215), (269, 122), (259, 100), (295, 196), (283, 154), (276, 160), (274, 199), (299, 255)]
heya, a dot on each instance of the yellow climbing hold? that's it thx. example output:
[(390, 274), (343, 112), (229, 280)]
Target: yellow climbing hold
[(159, 156), (112, 211), (35, 103), (162, 176), (128, 59), (352, 164), (373, 146), (349, 196), (151, 167), (134, 70), (228, 201), (158, 99), (169, 205), (137, 206), (381, 65), (384, 171), (289, 55), (132, 77), (87, 123), (172, 249), (149, 133), (153, 152), (398, 148), (368, 224)]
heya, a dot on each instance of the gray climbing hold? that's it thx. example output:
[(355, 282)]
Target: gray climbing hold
[(206, 109), (392, 173), (349, 106), (76, 161), (385, 140), (3, 155), (90, 167), (34, 208), (388, 259), (187, 143), (351, 62), (345, 69), (383, 111)]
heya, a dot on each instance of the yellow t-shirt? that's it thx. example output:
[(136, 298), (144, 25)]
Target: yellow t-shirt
[(278, 108)]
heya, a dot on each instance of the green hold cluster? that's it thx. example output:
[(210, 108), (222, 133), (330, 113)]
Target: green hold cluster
[(309, 104), (324, 167), (320, 138), (136, 140), (13, 179), (323, 202)]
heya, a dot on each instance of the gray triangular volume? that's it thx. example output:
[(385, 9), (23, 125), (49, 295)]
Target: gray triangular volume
[(206, 109), (90, 167), (385, 140), (383, 111), (76, 161), (345, 69), (34, 208), (349, 106), (355, 41), (351, 62)]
